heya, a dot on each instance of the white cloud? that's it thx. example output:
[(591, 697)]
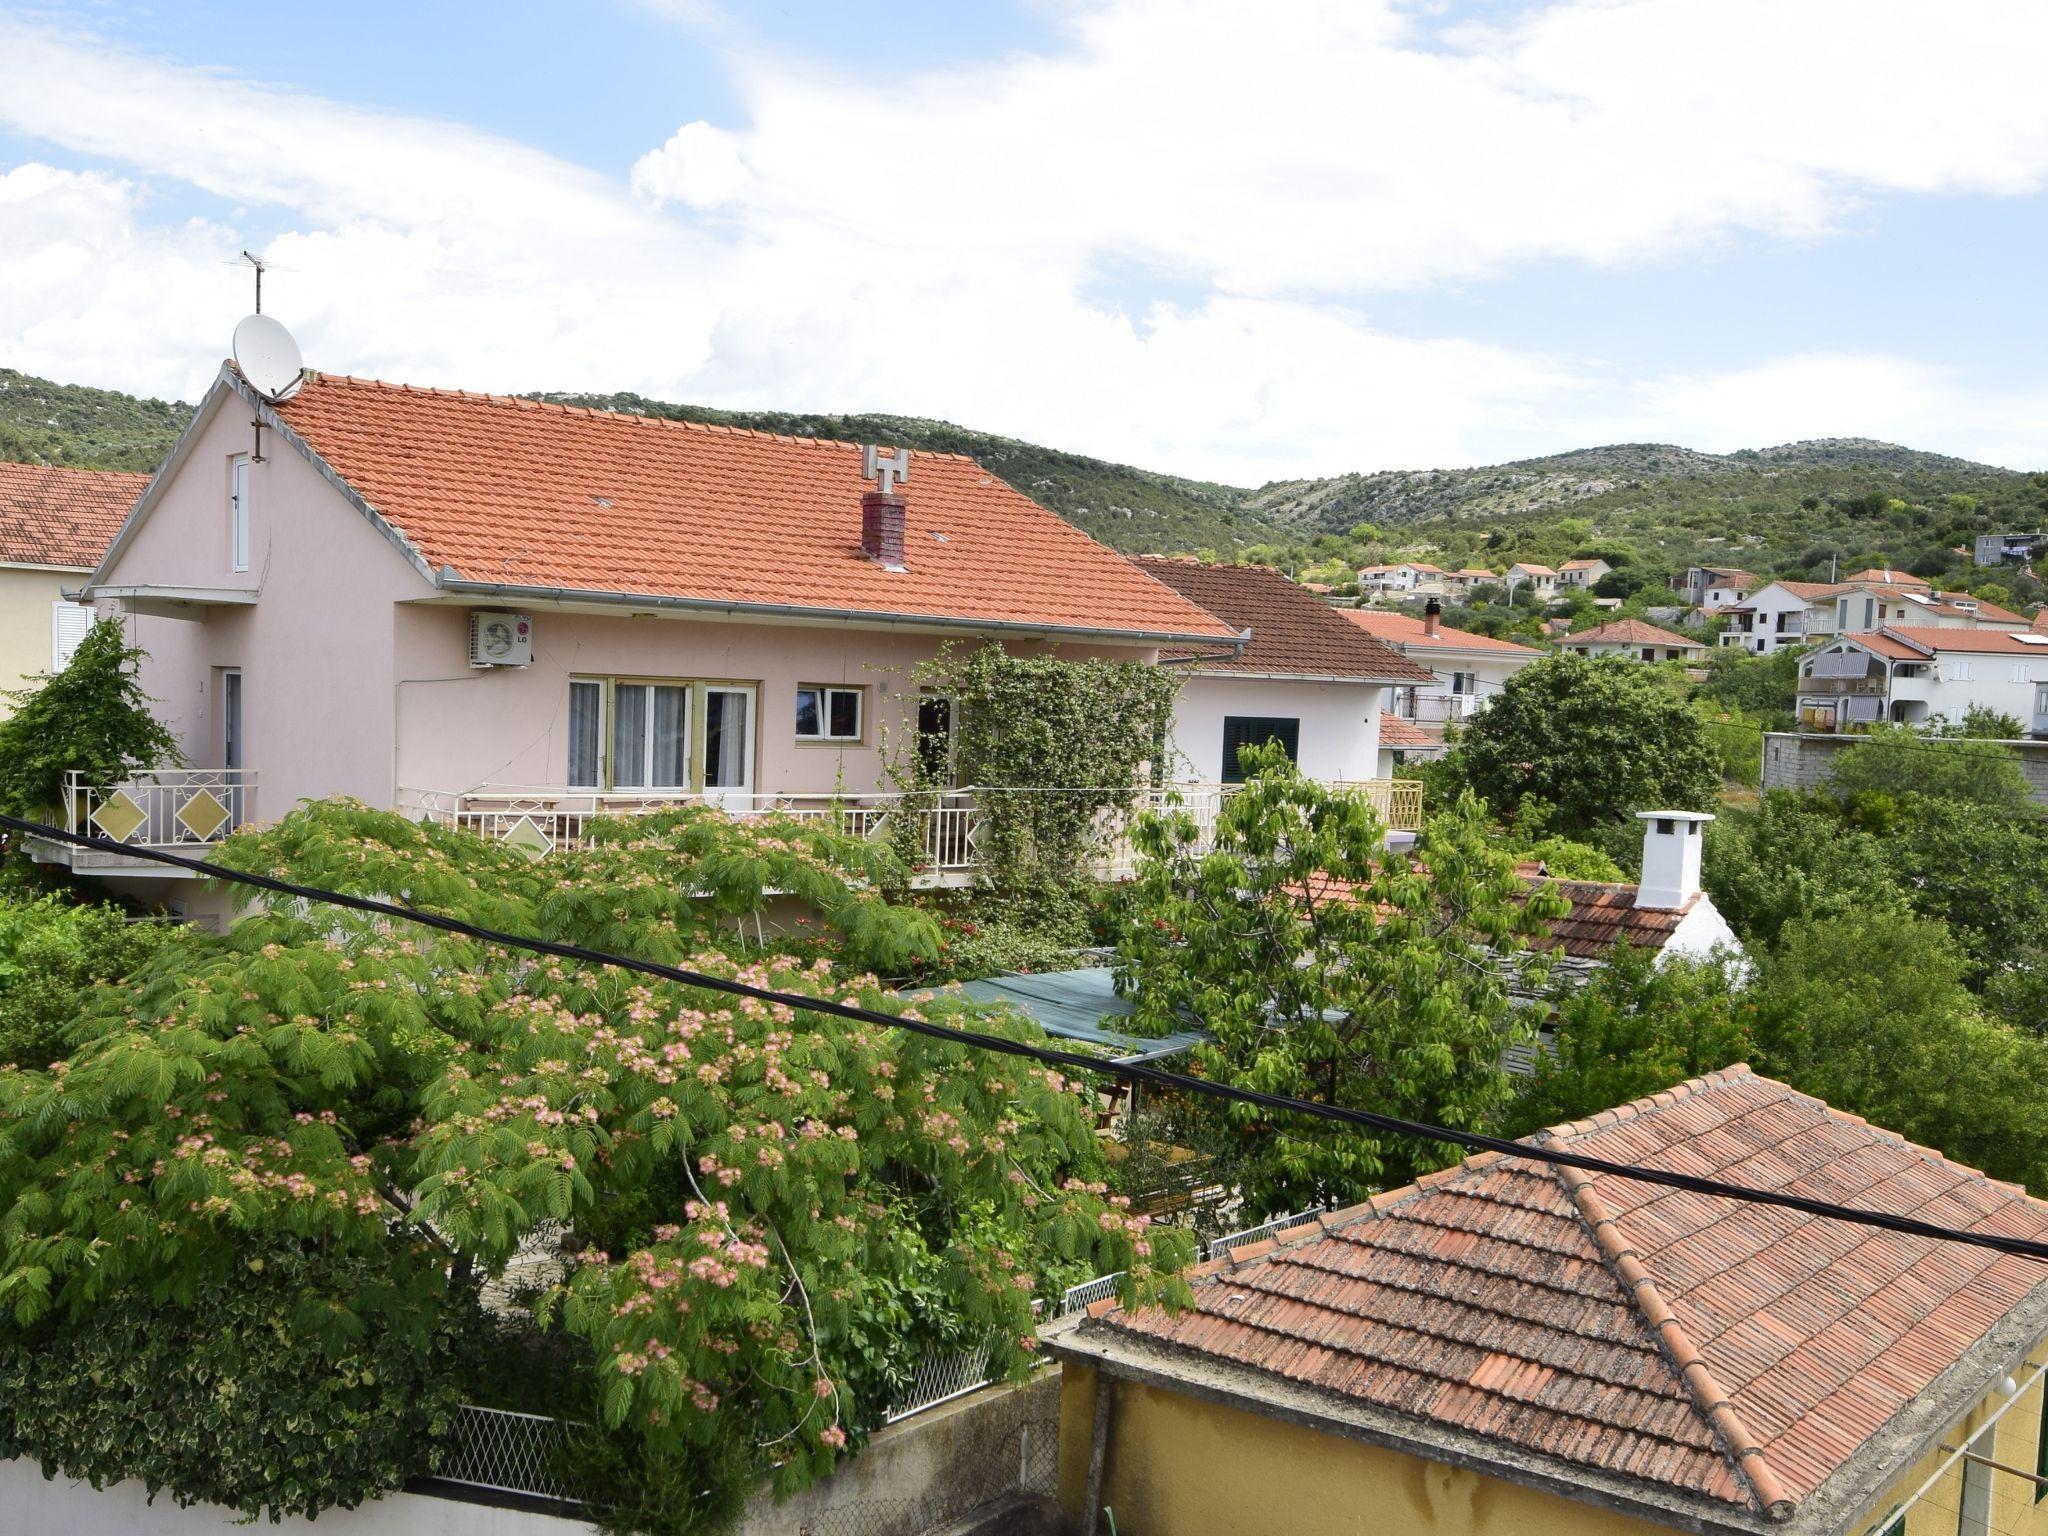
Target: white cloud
[(700, 165), (1275, 177)]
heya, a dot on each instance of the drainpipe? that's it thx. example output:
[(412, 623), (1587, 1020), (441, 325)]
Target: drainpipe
[(1098, 1453)]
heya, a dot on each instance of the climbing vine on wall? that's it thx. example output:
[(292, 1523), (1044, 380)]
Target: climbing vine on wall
[(1057, 753)]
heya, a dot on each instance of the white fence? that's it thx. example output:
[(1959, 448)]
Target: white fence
[(504, 1452)]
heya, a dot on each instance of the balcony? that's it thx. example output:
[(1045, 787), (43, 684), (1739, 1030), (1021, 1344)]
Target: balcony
[(181, 810), (540, 821), (1838, 687)]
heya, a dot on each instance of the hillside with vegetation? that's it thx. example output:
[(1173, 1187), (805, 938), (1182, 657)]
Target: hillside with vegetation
[(1797, 509), (82, 427)]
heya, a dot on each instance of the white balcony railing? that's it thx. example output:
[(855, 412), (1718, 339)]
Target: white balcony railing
[(164, 808), (543, 820)]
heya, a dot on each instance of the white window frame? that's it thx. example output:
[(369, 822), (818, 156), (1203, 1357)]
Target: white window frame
[(238, 512), (824, 734), (1959, 670)]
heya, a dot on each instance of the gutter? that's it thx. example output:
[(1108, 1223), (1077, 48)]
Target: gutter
[(448, 581)]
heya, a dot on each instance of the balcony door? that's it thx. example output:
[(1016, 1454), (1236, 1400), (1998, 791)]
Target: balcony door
[(231, 718), (729, 746)]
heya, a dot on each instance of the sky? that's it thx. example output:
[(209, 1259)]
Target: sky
[(1244, 242)]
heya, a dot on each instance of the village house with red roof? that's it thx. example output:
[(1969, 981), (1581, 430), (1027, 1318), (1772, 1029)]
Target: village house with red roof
[(1466, 669), (1632, 638), (1912, 674), (1306, 678), (512, 615), (1517, 1346), (55, 523)]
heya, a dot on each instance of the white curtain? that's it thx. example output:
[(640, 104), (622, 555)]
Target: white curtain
[(726, 737), (671, 738)]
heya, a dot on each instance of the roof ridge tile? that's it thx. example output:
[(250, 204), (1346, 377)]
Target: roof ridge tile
[(1709, 1398)]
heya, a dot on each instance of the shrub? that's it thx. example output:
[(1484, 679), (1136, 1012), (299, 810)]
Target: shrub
[(53, 955), (92, 716), (259, 1392)]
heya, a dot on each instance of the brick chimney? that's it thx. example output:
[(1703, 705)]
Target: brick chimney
[(1672, 841), (1431, 612), (882, 512)]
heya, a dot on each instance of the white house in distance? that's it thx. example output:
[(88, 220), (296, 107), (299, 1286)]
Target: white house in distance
[(1539, 579), (55, 523), (510, 615), (1634, 639), (1306, 678), (1716, 586), (1582, 573), (1780, 614), (1470, 579), (1401, 580), (1466, 669), (1909, 674)]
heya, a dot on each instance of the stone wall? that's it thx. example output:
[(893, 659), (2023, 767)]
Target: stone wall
[(1804, 762)]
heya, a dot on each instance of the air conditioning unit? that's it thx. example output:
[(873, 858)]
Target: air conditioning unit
[(500, 639)]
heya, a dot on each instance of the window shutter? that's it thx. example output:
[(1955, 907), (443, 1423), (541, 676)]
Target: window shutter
[(1240, 731), (68, 624)]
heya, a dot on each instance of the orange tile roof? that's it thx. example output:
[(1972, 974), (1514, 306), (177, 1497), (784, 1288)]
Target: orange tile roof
[(1914, 641), (1531, 567), (1581, 565), (1405, 631), (1628, 632), (1735, 1357), (1882, 576), (1604, 913), (1400, 735), (1294, 633), (551, 497), (63, 517)]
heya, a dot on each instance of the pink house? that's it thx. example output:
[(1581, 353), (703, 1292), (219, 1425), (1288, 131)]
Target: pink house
[(514, 614)]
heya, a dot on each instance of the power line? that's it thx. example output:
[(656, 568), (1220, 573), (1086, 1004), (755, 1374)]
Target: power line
[(1133, 1072)]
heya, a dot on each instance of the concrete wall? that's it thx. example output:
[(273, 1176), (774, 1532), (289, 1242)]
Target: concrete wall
[(1340, 724), (1796, 760), (25, 598), (930, 1469), (1179, 1466), (48, 1508)]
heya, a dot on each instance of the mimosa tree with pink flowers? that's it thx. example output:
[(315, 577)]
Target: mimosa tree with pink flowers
[(771, 1212)]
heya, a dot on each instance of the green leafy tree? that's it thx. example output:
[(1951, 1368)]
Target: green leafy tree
[(92, 716), (1633, 1030), (53, 953), (753, 1188), (1981, 724), (1791, 857), (1982, 872), (1895, 761), (1868, 1011), (1327, 966), (1596, 739)]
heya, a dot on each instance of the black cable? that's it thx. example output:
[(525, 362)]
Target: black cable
[(1134, 1072)]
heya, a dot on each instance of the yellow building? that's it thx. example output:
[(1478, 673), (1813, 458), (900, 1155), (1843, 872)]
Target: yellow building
[(1510, 1348), (54, 526)]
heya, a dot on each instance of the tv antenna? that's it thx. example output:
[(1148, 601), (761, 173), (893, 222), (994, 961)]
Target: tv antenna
[(252, 259)]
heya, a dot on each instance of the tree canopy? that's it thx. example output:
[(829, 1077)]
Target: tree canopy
[(92, 716), (755, 1189), (1595, 739), (1328, 966)]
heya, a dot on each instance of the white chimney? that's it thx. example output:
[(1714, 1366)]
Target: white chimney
[(1671, 858)]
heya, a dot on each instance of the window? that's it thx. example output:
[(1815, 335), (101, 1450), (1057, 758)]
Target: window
[(238, 497), (1959, 670), (2041, 708), (2019, 672), (1868, 604), (650, 736), (827, 714), (680, 735), (586, 731), (1462, 682), (1241, 731), (68, 624)]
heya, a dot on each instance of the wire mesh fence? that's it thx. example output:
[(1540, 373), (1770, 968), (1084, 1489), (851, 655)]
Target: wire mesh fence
[(506, 1452)]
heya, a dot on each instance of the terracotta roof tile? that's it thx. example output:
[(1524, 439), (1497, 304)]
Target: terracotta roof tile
[(1399, 734), (1754, 1353), (1604, 913), (63, 517), (554, 497), (1294, 633), (1406, 632), (1628, 632)]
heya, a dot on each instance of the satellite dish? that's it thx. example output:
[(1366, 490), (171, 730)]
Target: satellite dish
[(268, 357)]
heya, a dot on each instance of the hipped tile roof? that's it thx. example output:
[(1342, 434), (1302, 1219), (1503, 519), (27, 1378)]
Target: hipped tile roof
[(1400, 735), (1628, 632), (1294, 633), (1730, 1354), (63, 517), (553, 497)]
